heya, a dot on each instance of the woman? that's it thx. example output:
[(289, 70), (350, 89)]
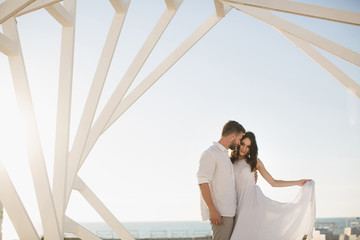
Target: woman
[(260, 218)]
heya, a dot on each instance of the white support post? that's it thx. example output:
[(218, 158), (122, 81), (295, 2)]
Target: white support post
[(323, 62), (297, 31), (61, 14), (221, 9), (14, 208), (127, 80), (39, 4), (304, 9), (93, 98), (101, 209), (73, 227), (9, 8), (7, 46), (35, 153), (120, 6), (173, 5), (63, 114), (1, 217), (163, 67)]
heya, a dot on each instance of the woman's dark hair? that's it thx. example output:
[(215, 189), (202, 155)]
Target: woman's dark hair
[(251, 157)]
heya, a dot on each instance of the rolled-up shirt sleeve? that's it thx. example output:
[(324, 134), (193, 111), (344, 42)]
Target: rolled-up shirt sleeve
[(206, 168)]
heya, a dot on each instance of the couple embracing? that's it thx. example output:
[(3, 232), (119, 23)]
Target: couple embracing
[(236, 206)]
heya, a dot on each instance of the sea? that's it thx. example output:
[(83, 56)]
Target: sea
[(183, 229)]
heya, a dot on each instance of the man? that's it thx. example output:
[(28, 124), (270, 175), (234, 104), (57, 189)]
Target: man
[(216, 181)]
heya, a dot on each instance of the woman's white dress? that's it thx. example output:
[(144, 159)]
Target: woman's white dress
[(261, 218)]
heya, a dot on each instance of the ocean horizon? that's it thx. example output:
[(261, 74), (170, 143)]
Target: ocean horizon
[(169, 229), (181, 229)]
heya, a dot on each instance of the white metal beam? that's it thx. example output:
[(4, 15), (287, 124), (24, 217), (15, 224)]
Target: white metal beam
[(10, 8), (63, 113), (73, 227), (130, 74), (7, 46), (14, 208), (61, 14), (165, 65), (125, 83), (323, 62), (120, 6), (302, 33), (34, 147), (38, 4), (93, 99), (221, 9), (102, 210), (304, 9), (1, 217), (173, 4)]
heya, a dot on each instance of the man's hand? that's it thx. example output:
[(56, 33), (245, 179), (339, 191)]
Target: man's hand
[(215, 217), (256, 176)]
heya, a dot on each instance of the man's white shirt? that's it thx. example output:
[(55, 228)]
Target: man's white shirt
[(216, 169)]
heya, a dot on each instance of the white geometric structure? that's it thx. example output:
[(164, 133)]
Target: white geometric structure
[(53, 201)]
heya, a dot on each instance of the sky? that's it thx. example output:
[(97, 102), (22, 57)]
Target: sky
[(144, 167)]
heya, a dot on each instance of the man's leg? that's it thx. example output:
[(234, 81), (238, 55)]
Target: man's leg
[(223, 231)]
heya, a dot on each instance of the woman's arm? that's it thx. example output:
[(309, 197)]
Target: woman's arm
[(277, 183)]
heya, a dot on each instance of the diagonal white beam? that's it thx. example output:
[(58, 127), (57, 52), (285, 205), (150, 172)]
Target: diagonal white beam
[(61, 14), (163, 67), (304, 9), (73, 227), (38, 4), (123, 86), (7, 46), (10, 7), (323, 62), (101, 209), (93, 99), (14, 207), (63, 114), (302, 33), (33, 141), (130, 74)]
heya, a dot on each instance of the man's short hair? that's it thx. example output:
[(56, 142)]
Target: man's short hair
[(231, 127)]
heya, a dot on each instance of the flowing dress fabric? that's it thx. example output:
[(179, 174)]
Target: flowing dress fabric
[(261, 218)]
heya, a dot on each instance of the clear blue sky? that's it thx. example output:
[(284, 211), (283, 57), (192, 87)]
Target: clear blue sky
[(144, 167)]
